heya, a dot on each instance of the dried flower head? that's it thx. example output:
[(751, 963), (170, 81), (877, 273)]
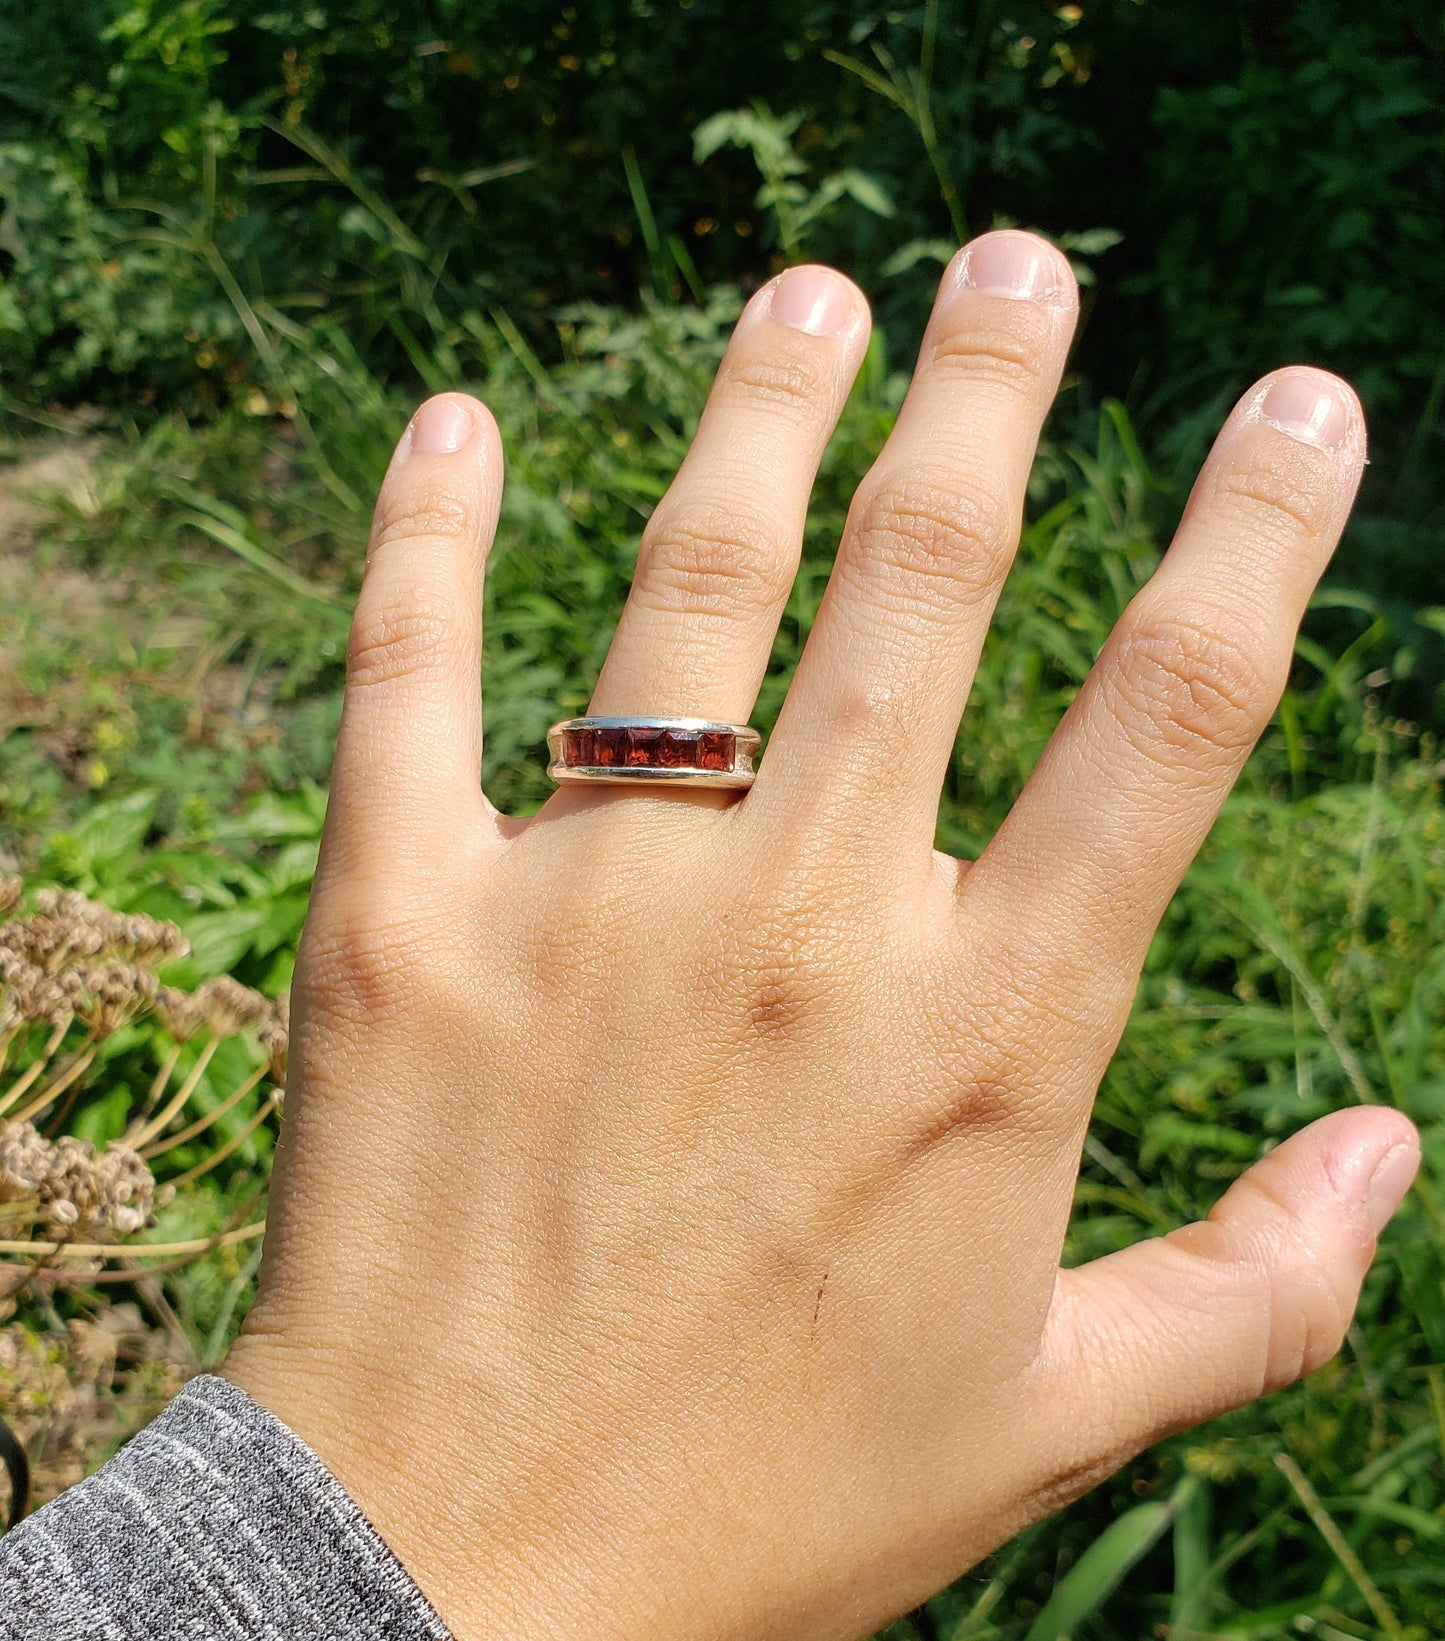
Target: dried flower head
[(274, 1033), (113, 993), (229, 1006), (179, 1012), (82, 1196), (71, 961), (49, 942), (24, 1162), (132, 936)]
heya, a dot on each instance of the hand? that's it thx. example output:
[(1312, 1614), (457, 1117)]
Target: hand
[(666, 1229)]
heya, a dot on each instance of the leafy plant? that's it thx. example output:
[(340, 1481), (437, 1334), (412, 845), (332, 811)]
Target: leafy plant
[(797, 208)]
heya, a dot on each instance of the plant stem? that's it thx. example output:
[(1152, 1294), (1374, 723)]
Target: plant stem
[(203, 1122), (220, 1154), (179, 1098), (153, 1094), (1344, 1552), (27, 1080), (109, 1250), (78, 1067)]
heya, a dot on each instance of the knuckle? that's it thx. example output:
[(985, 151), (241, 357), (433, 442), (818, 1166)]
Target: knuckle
[(1309, 1312), (394, 640), (1180, 688), (928, 531), (1279, 499), (1012, 355), (993, 1077), (777, 382), (770, 974), (364, 966), (712, 560), (435, 515)]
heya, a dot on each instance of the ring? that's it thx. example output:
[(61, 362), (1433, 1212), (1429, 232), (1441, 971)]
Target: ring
[(683, 751)]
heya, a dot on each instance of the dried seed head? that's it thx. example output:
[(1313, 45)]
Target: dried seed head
[(230, 1007), (50, 942), (24, 1162), (129, 935), (179, 1012), (274, 1033), (113, 993), (82, 1196)]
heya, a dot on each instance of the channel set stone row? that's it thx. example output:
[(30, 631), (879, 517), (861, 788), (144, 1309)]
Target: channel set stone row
[(674, 751), (649, 748)]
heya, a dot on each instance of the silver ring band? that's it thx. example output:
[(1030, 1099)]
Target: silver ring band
[(680, 751)]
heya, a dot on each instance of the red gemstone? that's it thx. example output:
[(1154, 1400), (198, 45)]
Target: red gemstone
[(716, 749), (609, 748), (577, 750), (678, 749), (643, 746)]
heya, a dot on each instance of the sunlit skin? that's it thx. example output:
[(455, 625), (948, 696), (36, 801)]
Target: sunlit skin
[(666, 1228)]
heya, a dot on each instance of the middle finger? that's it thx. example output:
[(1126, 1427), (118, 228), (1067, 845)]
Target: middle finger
[(869, 724)]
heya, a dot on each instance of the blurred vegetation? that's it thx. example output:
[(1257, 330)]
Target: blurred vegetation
[(1255, 181), (237, 242)]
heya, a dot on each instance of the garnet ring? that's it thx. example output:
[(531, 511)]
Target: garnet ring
[(681, 751)]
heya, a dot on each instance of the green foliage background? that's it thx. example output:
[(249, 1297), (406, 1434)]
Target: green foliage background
[(237, 241)]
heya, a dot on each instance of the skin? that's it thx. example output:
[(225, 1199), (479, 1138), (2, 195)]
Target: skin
[(666, 1228)]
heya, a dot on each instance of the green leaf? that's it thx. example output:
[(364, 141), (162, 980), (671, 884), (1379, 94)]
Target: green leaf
[(103, 1119), (1091, 242), (102, 842), (1100, 1570), (916, 251), (868, 191), (280, 815), (220, 939)]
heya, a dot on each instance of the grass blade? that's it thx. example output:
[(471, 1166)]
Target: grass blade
[(1344, 1553), (1103, 1566)]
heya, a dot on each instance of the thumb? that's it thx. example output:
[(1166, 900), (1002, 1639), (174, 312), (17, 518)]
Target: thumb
[(1196, 1323)]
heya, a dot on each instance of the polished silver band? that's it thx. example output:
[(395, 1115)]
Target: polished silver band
[(680, 751)]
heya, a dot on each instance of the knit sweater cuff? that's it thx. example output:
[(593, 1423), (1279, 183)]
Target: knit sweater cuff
[(216, 1521)]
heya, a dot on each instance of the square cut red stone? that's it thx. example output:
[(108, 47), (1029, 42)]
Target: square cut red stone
[(643, 748), (609, 748), (577, 749), (678, 749), (716, 749)]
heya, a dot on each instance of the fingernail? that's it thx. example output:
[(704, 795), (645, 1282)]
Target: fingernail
[(1388, 1184), (815, 300), (1011, 264), (1312, 408), (441, 425)]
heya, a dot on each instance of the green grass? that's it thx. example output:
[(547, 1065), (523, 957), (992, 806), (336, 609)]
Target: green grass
[(1300, 968)]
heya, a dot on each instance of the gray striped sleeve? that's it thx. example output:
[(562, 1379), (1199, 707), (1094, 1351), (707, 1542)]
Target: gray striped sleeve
[(215, 1523)]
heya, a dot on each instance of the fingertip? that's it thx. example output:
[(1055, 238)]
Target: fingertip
[(1013, 263), (816, 300), (1309, 405), (449, 424), (1393, 1176), (1368, 1157)]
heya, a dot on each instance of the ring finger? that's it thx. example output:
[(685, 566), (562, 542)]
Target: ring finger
[(718, 556)]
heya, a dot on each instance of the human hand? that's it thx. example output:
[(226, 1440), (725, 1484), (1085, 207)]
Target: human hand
[(666, 1228)]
